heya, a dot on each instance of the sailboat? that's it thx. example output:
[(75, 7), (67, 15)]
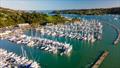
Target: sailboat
[(24, 54), (92, 38)]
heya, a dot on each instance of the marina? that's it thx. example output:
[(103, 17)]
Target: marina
[(18, 37), (80, 30), (82, 55), (11, 60), (59, 34)]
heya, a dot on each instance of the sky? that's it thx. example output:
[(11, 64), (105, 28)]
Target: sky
[(58, 4)]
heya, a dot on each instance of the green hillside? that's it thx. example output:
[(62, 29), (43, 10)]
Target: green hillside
[(10, 17), (99, 11)]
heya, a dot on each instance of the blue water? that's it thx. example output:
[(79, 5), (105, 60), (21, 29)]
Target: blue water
[(83, 54)]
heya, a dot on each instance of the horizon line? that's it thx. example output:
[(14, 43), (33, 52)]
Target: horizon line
[(62, 9)]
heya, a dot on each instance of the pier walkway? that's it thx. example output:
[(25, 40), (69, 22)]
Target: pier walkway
[(101, 59), (116, 41), (118, 37)]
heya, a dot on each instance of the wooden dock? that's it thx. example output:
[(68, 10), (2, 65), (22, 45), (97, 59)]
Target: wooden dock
[(101, 59), (118, 37), (117, 40)]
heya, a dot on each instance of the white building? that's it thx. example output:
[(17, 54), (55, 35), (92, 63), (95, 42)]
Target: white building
[(23, 25)]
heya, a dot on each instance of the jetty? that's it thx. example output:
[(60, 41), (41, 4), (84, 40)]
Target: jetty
[(101, 59), (83, 30), (118, 37), (17, 36), (116, 41)]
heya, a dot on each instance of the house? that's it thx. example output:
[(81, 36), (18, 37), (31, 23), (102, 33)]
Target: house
[(23, 25)]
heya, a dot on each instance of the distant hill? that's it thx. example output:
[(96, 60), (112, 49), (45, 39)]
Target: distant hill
[(10, 17), (98, 11)]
